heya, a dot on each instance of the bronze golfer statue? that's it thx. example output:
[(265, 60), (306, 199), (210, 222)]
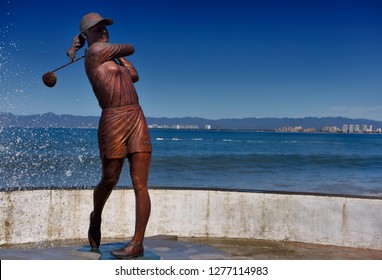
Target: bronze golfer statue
[(122, 131)]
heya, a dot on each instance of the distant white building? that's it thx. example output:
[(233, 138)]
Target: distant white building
[(367, 128), (187, 126), (330, 129), (355, 128)]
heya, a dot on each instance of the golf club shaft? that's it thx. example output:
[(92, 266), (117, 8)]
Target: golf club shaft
[(68, 63)]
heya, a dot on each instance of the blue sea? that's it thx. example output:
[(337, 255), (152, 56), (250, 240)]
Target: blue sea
[(261, 161)]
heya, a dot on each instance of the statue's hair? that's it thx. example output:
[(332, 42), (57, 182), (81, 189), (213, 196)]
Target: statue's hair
[(78, 42)]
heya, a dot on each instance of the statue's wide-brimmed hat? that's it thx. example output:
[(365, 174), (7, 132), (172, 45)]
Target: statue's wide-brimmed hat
[(92, 19)]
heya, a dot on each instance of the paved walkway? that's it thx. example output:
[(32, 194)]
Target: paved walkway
[(172, 248)]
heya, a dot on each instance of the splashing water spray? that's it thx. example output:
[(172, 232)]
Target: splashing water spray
[(50, 78)]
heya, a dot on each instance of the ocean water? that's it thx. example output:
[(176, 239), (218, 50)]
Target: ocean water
[(261, 161)]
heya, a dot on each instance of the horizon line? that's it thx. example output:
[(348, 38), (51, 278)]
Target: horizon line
[(205, 118)]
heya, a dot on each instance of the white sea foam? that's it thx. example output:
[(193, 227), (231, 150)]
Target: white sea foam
[(81, 158), (230, 140)]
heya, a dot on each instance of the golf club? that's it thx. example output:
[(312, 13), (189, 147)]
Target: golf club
[(50, 78)]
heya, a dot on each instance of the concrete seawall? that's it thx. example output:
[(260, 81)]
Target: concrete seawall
[(54, 214)]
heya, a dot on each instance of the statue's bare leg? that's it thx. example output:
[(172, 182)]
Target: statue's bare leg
[(139, 172), (111, 170)]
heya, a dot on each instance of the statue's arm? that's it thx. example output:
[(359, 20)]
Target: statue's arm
[(133, 72)]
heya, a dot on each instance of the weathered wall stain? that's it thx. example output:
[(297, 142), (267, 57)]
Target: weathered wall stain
[(345, 222)]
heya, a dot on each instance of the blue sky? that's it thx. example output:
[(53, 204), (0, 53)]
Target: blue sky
[(203, 58)]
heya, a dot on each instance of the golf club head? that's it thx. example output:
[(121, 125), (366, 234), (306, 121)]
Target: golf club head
[(49, 79)]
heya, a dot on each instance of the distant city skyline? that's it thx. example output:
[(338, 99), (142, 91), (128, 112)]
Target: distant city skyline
[(311, 124), (210, 59)]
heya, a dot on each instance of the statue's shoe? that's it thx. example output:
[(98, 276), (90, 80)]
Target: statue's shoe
[(129, 251), (94, 233)]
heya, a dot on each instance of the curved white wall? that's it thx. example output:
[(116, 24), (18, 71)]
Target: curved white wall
[(48, 215)]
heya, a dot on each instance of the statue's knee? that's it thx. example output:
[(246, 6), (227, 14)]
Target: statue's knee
[(109, 183)]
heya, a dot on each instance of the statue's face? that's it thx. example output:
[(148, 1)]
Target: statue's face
[(97, 33)]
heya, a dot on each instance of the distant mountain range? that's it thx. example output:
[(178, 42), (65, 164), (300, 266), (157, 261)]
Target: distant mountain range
[(71, 121)]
